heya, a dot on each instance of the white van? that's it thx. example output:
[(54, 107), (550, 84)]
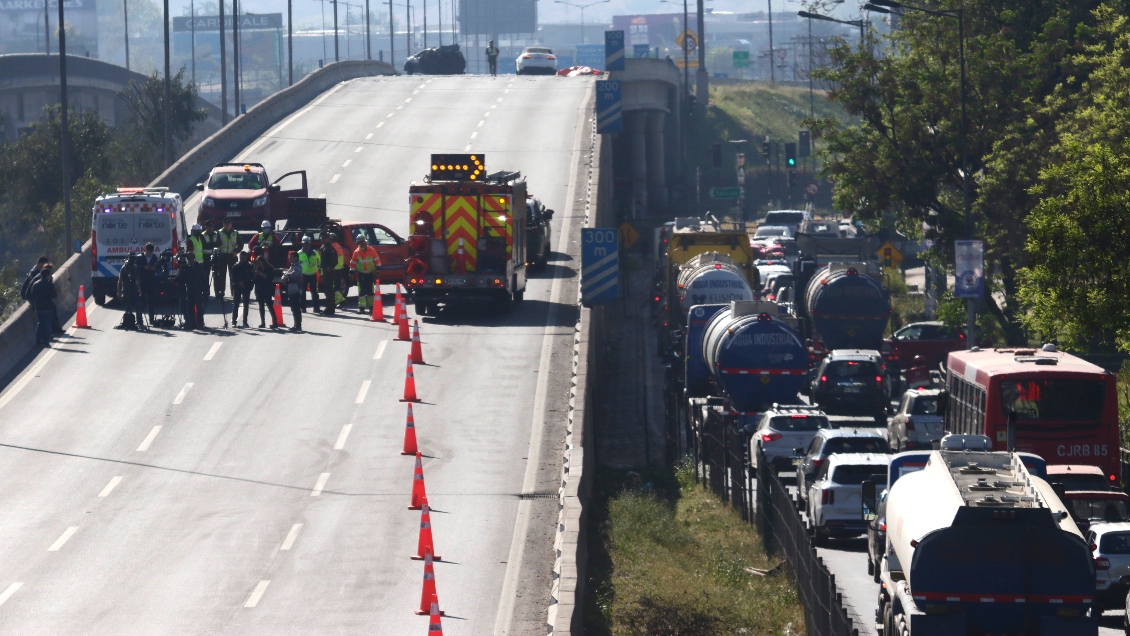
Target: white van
[(123, 222)]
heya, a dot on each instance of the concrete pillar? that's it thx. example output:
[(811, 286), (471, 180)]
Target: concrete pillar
[(637, 140), (656, 161)]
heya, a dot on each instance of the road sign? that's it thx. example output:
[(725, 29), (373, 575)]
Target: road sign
[(687, 41), (608, 116), (725, 193), (889, 255), (812, 189), (600, 266), (969, 269), (692, 62), (628, 235), (804, 143), (641, 50), (613, 50), (590, 55), (741, 59)]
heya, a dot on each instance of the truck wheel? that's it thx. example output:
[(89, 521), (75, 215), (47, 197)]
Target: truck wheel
[(875, 576), (870, 565), (99, 296), (421, 308), (506, 304)]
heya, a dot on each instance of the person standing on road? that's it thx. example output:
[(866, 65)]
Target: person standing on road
[(129, 289), (147, 275), (264, 290), (268, 243), (242, 280), (227, 246), (295, 280), (341, 293), (42, 296), (366, 261), (492, 57), (310, 261), (56, 326), (328, 259)]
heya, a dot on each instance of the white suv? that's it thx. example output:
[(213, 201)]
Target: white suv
[(782, 430), (834, 508), (917, 424), (1110, 545)]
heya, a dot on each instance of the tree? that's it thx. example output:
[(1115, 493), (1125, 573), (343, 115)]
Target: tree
[(139, 155)]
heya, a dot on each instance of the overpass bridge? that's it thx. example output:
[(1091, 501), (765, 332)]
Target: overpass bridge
[(249, 481)]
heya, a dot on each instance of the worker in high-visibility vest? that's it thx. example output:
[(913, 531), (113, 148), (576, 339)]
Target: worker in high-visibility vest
[(227, 244), (198, 247), (310, 261), (341, 289), (366, 261), (328, 258)]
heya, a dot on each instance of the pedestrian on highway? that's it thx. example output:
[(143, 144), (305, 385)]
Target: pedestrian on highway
[(265, 290), (194, 291), (492, 57), (147, 275), (329, 259), (129, 291), (295, 279), (227, 245), (42, 295), (29, 280), (242, 280), (366, 261), (310, 261)]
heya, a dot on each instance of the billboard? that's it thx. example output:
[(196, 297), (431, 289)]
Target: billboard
[(247, 22), (497, 17), (22, 31)]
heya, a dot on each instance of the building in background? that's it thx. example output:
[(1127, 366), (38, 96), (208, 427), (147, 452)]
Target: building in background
[(22, 29)]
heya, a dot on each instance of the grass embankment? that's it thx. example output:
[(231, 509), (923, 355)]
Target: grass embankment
[(666, 558)]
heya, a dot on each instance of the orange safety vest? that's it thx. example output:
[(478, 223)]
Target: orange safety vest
[(340, 256), (365, 261)]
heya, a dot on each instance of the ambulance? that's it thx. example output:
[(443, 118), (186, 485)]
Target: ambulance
[(122, 222)]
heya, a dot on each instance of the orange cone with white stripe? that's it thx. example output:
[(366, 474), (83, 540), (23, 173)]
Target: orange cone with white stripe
[(428, 594), (80, 313), (417, 352), (278, 306), (410, 434), (425, 545), (399, 306), (435, 627), (378, 305), (409, 384), (402, 332), (419, 496)]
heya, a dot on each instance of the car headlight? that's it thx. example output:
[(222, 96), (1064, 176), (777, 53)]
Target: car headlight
[(260, 201), (210, 202)]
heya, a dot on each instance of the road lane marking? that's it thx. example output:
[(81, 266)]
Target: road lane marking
[(486, 114), (380, 124), (257, 594), (63, 539), (335, 178), (322, 195), (474, 134), (467, 148), (400, 106), (499, 100), (480, 124), (288, 543), (409, 99), (212, 352), (251, 150), (149, 439), (29, 375), (110, 486), (389, 115), (183, 393), (380, 350), (370, 135), (343, 436), (360, 148), (321, 483), (493, 106), (346, 164), (7, 594), (416, 91), (362, 392)]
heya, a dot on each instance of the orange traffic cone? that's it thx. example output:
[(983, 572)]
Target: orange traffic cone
[(428, 595), (80, 313), (425, 546), (378, 305), (417, 352), (278, 306), (409, 385), (435, 627), (402, 332), (410, 434), (399, 306), (418, 493)]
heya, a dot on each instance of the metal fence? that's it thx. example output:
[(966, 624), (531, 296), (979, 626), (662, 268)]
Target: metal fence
[(721, 453)]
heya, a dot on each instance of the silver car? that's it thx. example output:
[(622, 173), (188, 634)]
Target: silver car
[(536, 60), (917, 424), (1110, 545), (784, 429)]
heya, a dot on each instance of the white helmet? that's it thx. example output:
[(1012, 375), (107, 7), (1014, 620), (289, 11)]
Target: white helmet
[(266, 225), (306, 239), (196, 227)]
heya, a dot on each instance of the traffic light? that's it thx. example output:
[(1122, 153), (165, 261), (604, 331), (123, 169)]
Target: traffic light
[(767, 150), (805, 140), (790, 154), (716, 155)]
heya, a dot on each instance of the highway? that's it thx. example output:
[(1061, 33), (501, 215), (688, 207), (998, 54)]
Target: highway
[(251, 482)]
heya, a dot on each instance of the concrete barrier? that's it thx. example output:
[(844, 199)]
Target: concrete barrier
[(17, 334)]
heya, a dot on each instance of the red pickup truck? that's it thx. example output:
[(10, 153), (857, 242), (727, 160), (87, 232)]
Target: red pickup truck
[(243, 193), (931, 342)]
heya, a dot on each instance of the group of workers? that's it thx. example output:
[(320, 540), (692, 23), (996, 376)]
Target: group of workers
[(218, 256)]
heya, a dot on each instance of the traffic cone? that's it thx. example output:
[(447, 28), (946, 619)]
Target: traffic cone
[(425, 545), (435, 627), (80, 313), (278, 306), (399, 306), (402, 332), (417, 352), (418, 493), (410, 434), (378, 305), (409, 385), (428, 595)]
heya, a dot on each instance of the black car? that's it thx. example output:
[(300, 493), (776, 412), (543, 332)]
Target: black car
[(539, 234), (851, 382), (441, 60)]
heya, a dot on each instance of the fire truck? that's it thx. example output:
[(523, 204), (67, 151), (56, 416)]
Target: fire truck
[(465, 241)]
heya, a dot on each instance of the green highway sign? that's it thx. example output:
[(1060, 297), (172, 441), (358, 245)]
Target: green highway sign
[(725, 193), (741, 59)]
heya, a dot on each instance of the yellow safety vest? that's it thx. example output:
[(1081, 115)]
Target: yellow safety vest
[(229, 241), (196, 246), (366, 261), (340, 256), (310, 262)]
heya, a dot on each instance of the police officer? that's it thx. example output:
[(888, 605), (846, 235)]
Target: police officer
[(365, 262), (227, 245), (310, 261), (492, 57), (329, 261)]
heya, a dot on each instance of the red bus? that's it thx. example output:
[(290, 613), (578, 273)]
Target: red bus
[(1066, 408)]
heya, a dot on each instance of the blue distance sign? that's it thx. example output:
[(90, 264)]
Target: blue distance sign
[(640, 50), (608, 107), (613, 50), (590, 55), (600, 265)]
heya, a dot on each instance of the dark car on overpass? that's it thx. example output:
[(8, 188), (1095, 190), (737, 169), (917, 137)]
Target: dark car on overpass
[(539, 234), (441, 60)]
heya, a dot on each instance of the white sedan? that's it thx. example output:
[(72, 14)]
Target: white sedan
[(536, 60)]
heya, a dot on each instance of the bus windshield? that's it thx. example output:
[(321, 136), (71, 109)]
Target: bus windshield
[(1053, 399)]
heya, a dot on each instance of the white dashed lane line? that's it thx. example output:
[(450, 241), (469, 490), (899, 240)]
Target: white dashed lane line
[(288, 543), (335, 178), (346, 164), (212, 352), (110, 486), (319, 485), (363, 391), (183, 392), (380, 350), (149, 439), (343, 436), (380, 124), (257, 594), (360, 148), (7, 594), (370, 135), (61, 541)]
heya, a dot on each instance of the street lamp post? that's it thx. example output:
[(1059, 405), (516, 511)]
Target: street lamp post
[(582, 7), (168, 106), (883, 6), (290, 41), (337, 47), (64, 131), (391, 37), (816, 16)]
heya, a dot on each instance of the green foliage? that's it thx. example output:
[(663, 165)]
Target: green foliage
[(140, 148)]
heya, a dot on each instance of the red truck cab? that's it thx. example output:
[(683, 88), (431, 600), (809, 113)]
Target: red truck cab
[(243, 193)]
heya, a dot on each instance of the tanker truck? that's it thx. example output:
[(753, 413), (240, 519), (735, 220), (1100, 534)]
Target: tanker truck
[(847, 308), (710, 278), (978, 544), (692, 239)]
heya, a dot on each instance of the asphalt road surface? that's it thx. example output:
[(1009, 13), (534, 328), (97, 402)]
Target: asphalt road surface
[(250, 481)]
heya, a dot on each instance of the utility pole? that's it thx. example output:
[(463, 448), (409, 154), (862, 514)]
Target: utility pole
[(368, 34), (125, 16), (237, 68), (702, 88), (47, 31), (408, 30), (772, 73), (168, 105), (223, 70), (192, 27), (64, 130), (337, 48), (391, 37), (425, 24), (290, 41)]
